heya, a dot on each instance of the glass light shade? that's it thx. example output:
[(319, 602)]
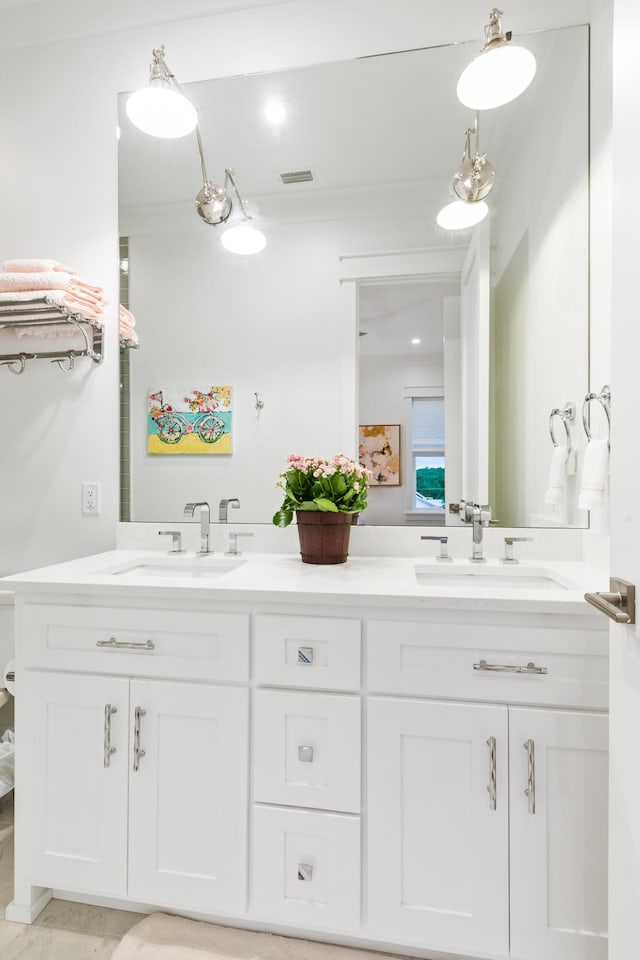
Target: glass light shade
[(161, 111), (243, 238), (496, 76), (460, 215)]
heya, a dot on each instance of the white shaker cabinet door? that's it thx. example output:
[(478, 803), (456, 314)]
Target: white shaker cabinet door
[(73, 782), (438, 825), (558, 834), (188, 795)]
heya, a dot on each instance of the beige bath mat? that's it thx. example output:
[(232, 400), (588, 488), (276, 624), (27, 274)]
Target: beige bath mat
[(163, 937)]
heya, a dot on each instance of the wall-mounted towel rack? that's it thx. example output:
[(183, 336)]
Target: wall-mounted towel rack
[(604, 399), (566, 414), (42, 312)]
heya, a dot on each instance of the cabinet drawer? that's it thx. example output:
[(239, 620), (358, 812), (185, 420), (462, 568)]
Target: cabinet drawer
[(307, 749), (314, 652), (485, 662), (157, 643), (306, 868)]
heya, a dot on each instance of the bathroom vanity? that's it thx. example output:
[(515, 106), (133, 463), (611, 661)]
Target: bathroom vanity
[(407, 756)]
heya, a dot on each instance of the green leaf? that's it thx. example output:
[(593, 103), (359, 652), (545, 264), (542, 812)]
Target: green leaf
[(283, 517), (308, 505), (327, 506)]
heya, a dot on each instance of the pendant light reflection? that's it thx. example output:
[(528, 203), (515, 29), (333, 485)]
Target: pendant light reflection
[(472, 182), (161, 109), (243, 238), (461, 215), (500, 73)]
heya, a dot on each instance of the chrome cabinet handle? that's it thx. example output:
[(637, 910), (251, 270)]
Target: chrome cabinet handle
[(126, 644), (530, 792), (619, 604), (492, 788), (305, 871), (137, 752), (509, 668), (108, 749), (305, 754), (305, 654)]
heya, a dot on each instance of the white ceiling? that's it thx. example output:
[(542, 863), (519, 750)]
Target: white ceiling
[(391, 315), (25, 22)]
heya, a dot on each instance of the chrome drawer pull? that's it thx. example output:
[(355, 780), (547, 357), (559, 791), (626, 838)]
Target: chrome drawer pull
[(113, 642), (305, 654), (492, 788), (305, 871), (509, 668), (305, 754), (530, 792), (137, 752), (108, 749)]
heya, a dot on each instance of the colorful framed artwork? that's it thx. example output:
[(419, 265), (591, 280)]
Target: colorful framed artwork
[(189, 421), (379, 452)]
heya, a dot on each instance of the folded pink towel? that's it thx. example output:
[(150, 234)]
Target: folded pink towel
[(129, 335), (67, 299), (53, 280), (35, 266), (126, 318)]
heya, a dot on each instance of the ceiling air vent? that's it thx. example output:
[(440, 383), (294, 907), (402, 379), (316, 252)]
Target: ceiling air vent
[(296, 176)]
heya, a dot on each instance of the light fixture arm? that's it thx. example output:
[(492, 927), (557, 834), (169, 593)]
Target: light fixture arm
[(229, 178), (203, 167)]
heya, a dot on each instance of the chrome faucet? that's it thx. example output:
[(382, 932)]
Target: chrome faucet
[(480, 517), (222, 508), (205, 519)]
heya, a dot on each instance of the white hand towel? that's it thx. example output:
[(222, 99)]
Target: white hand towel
[(595, 471), (556, 484)]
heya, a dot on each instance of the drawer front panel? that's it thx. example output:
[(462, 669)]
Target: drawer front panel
[(515, 664), (157, 643), (313, 652), (306, 868), (307, 750)]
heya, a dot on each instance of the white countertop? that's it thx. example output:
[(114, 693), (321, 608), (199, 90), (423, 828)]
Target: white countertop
[(283, 578)]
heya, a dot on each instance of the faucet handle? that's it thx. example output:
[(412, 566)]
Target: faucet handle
[(444, 548), (233, 544), (176, 540), (509, 556)]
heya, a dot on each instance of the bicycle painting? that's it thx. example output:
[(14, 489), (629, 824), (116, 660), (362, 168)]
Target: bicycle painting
[(189, 421)]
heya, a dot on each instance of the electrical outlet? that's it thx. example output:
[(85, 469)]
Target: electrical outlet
[(91, 499)]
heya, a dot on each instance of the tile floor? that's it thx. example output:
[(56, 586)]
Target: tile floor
[(63, 931)]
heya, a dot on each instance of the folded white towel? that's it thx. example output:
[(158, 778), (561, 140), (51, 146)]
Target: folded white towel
[(595, 471), (557, 482)]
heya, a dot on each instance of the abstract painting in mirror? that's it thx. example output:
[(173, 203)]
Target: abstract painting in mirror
[(361, 309)]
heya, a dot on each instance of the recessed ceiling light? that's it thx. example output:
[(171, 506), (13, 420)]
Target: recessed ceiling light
[(415, 341), (275, 112)]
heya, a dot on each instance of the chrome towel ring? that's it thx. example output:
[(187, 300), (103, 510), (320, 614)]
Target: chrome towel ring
[(567, 413), (604, 399)]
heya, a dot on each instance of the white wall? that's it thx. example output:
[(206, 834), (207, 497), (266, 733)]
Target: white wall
[(543, 212), (58, 165)]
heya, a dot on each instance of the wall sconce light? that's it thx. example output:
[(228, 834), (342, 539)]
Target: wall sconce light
[(500, 73), (161, 109), (215, 205), (472, 182)]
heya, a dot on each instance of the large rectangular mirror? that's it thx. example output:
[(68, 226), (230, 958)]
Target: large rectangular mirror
[(316, 334)]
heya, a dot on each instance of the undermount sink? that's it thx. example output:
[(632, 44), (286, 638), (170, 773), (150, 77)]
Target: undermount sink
[(490, 577), (205, 568)]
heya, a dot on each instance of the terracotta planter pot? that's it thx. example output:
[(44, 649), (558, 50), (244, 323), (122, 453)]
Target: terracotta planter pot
[(324, 537)]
